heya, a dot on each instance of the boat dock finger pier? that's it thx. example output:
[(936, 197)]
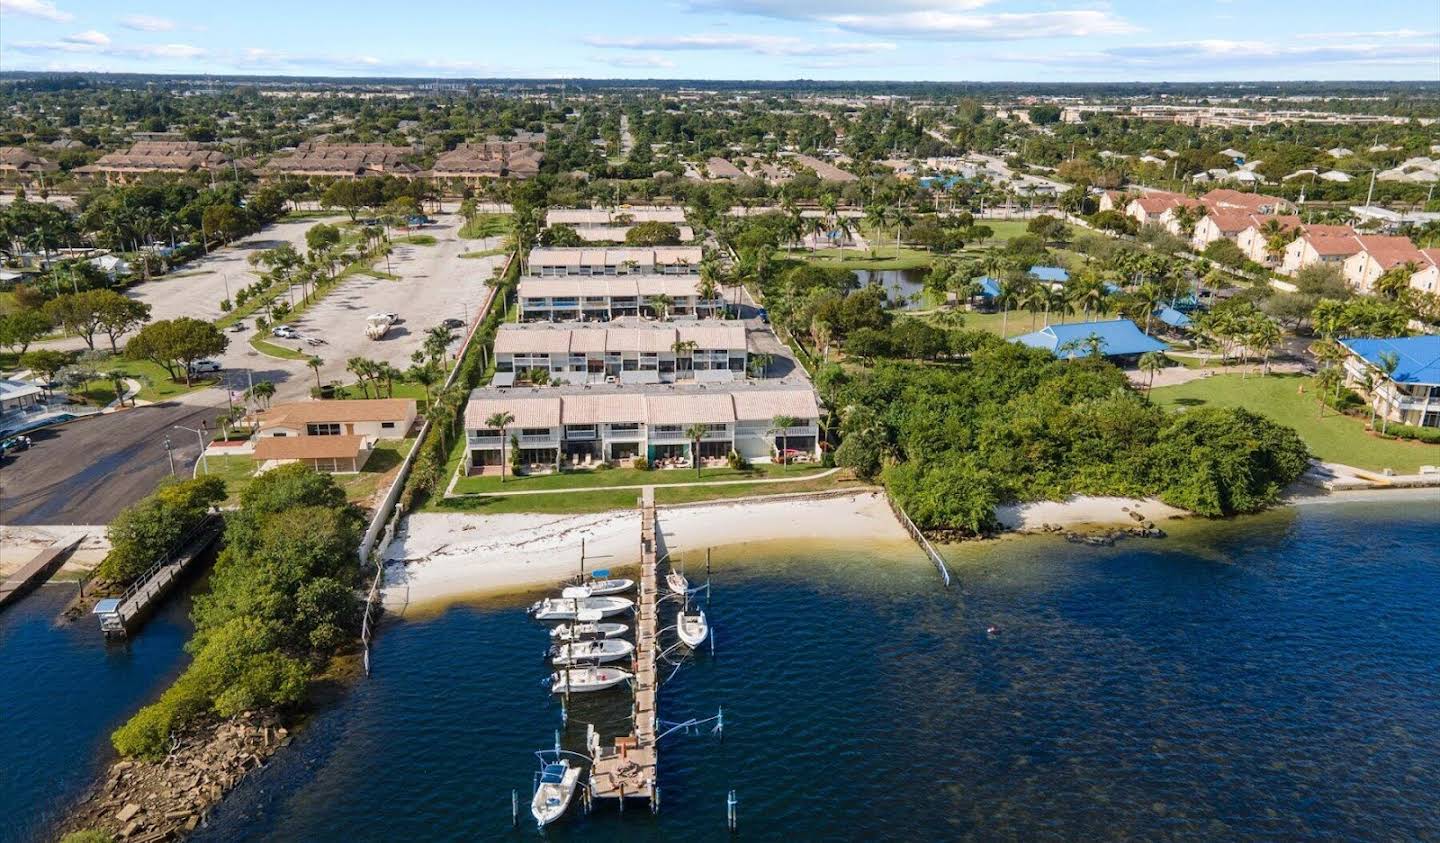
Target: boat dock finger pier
[(626, 770)]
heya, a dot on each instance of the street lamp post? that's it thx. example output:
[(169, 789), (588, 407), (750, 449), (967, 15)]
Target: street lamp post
[(199, 438), (170, 455)]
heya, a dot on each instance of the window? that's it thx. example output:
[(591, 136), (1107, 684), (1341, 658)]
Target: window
[(534, 431), (624, 427), (322, 429), (387, 425)]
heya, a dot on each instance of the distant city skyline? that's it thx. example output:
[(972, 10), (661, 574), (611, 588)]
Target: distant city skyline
[(901, 40)]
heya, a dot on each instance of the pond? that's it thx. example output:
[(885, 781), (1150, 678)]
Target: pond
[(903, 287)]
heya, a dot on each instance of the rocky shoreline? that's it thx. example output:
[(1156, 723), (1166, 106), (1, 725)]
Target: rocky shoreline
[(149, 801)]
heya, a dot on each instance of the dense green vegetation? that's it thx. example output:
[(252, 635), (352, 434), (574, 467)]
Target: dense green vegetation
[(1011, 423), (156, 524), (281, 602)]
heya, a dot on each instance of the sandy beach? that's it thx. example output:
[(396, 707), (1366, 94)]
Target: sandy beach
[(438, 557), (18, 545), (1084, 512)]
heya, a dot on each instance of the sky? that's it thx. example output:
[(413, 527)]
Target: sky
[(940, 40)]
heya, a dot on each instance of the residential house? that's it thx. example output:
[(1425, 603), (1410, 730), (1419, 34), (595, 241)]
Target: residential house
[(624, 351), (1427, 280), (147, 157), (334, 436), (473, 163), (607, 423), (1238, 200), (1150, 207), (1253, 241), (19, 166), (1319, 244), (342, 161), (1378, 254), (1411, 393), (1219, 225)]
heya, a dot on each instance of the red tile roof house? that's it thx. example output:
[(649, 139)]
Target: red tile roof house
[(1254, 242), (1257, 203), (333, 436), (1427, 280), (1220, 224), (1319, 244), (1148, 208), (1378, 254)]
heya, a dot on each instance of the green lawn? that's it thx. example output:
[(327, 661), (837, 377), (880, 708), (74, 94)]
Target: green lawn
[(155, 383), (416, 239), (1335, 438), (238, 470), (402, 389), (486, 225), (884, 257), (274, 350), (609, 499), (599, 479), (488, 253)]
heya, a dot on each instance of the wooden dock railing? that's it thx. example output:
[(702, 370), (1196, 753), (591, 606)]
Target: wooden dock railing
[(919, 538)]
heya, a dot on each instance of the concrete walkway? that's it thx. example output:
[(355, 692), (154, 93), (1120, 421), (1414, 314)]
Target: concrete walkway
[(1176, 375), (637, 486)]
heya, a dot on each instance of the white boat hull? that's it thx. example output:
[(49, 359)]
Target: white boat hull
[(693, 629), (677, 582), (598, 652), (601, 588), (581, 631), (580, 680), (552, 799), (562, 609)]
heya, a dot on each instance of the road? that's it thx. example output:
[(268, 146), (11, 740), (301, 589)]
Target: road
[(86, 471)]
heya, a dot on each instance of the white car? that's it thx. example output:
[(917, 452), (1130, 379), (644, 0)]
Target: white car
[(285, 332), (200, 367)]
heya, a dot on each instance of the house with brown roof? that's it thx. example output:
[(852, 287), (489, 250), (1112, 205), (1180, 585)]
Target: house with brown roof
[(1224, 198), (1427, 279), (588, 425), (473, 163), (333, 436), (1377, 255), (1148, 207), (19, 166), (1255, 243), (1319, 244), (1219, 224), (147, 157), (315, 159)]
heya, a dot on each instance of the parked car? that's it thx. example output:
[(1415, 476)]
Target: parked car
[(200, 367), (238, 327), (453, 324), (285, 332), (394, 318), (14, 444)]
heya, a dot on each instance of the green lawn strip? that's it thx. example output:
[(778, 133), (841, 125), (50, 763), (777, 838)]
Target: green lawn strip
[(251, 305), (400, 389), (488, 253), (1334, 438), (235, 469), (269, 348), (155, 383), (485, 225), (386, 457), (416, 240), (603, 478), (297, 216)]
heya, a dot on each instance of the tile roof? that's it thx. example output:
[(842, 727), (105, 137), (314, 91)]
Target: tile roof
[(528, 410), (542, 338), (1223, 197), (603, 408), (686, 408), (1389, 251), (308, 447), (609, 216), (646, 403), (358, 410), (1333, 246)]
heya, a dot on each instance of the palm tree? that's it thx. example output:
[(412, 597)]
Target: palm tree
[(117, 382), (877, 217), (264, 391), (1151, 295), (1389, 362), (426, 376), (501, 421), (1151, 362), (902, 220), (761, 360), (708, 291), (695, 433), (661, 304), (313, 362), (782, 425), (1033, 297), (1263, 337), (683, 348)]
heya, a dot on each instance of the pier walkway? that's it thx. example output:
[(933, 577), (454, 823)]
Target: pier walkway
[(120, 616), (36, 571), (627, 769)]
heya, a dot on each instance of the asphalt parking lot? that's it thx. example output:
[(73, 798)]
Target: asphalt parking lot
[(86, 471)]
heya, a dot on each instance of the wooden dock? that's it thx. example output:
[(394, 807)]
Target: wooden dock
[(36, 571), (120, 616), (627, 769)]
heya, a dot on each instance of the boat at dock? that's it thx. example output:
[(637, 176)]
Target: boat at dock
[(677, 583), (582, 631), (567, 608), (557, 788), (692, 629), (598, 651), (576, 680), (601, 588)]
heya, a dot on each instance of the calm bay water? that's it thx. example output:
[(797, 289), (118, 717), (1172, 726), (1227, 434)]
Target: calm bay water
[(63, 690), (1274, 677)]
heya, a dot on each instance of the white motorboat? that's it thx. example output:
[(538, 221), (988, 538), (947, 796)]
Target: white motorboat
[(598, 651), (600, 588), (692, 629), (582, 631), (578, 680), (566, 608), (677, 582), (557, 788)]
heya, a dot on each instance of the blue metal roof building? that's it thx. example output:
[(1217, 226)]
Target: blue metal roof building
[(1118, 338), (1418, 357), (1050, 274), (1172, 317), (989, 287)]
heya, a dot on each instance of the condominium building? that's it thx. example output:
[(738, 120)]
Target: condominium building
[(1409, 392), (581, 260), (343, 161), (473, 163), (597, 285), (1377, 255), (625, 351), (587, 425), (19, 166), (146, 157)]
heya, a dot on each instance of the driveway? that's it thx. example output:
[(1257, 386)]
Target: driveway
[(86, 471)]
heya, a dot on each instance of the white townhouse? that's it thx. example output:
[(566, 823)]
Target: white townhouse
[(1319, 244), (1256, 244), (1378, 254), (1427, 280), (600, 225), (624, 351), (585, 260), (583, 426), (596, 285)]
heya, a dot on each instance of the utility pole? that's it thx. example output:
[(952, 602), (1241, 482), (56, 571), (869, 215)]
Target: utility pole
[(1371, 192)]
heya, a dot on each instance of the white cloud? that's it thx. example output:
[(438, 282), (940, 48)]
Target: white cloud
[(42, 9), (89, 36), (816, 9), (764, 45), (147, 23), (1005, 26), (649, 60)]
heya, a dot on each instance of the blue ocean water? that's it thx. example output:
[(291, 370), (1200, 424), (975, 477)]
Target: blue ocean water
[(1268, 678)]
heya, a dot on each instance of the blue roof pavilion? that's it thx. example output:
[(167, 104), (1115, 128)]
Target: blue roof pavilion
[(1118, 338), (1418, 357)]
